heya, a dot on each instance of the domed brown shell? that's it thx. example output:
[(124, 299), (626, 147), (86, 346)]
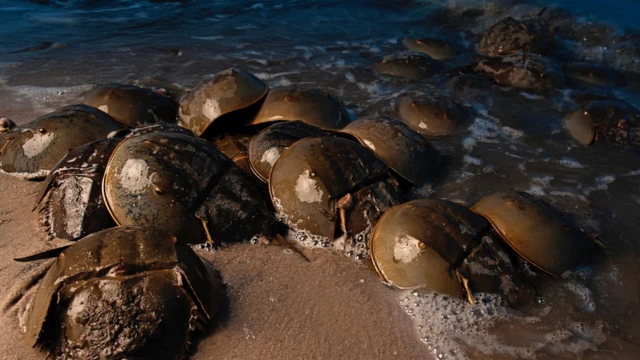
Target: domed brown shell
[(121, 292), (314, 174), (441, 245), (431, 114), (184, 186), (608, 122), (312, 106), (439, 49), (397, 145), (510, 35), (133, 106), (535, 230), (266, 146), (411, 65), (37, 147), (228, 91)]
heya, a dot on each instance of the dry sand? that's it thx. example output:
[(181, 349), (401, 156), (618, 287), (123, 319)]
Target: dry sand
[(279, 306)]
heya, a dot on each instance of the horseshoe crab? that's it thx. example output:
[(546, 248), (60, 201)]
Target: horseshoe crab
[(229, 91), (183, 185), (590, 73), (331, 191), (37, 147), (446, 247), (432, 114), (133, 106), (609, 122), (536, 231), (439, 49), (125, 292), (235, 147), (312, 106), (523, 71), (510, 35), (70, 199), (411, 65), (266, 146), (397, 145)]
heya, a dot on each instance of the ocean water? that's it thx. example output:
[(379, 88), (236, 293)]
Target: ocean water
[(53, 52)]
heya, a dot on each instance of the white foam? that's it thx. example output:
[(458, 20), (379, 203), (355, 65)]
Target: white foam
[(406, 249), (307, 189), (270, 156)]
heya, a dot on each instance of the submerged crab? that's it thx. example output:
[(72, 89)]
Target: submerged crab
[(407, 64), (36, 147), (609, 122), (439, 49), (445, 247), (125, 292), (523, 71), (432, 114), (332, 191), (510, 35)]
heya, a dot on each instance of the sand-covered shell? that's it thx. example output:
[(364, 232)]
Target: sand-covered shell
[(397, 145), (411, 65), (266, 146), (608, 122), (445, 247), (439, 49), (36, 147), (312, 106), (228, 91), (327, 188), (523, 71), (133, 106), (70, 199), (590, 73), (535, 230), (119, 293), (510, 35), (184, 186), (432, 114)]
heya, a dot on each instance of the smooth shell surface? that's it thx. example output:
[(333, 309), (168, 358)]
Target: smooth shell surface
[(438, 49), (37, 147), (228, 91), (608, 122), (432, 115), (312, 106), (183, 185), (70, 199), (416, 243), (133, 106), (266, 146), (397, 145), (535, 230), (411, 65), (310, 178), (510, 35), (123, 292)]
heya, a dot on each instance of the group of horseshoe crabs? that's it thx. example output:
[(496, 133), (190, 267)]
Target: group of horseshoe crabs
[(138, 186)]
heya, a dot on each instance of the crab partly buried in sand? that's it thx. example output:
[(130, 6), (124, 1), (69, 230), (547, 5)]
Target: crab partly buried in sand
[(125, 292)]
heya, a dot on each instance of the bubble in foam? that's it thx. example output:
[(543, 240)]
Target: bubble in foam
[(583, 294), (454, 329)]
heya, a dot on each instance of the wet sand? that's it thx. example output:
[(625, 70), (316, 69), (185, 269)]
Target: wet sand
[(278, 306)]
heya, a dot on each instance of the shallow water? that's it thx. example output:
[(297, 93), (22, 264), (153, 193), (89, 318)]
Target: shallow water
[(55, 51)]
